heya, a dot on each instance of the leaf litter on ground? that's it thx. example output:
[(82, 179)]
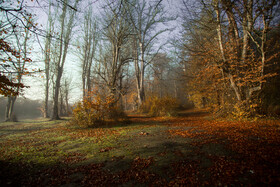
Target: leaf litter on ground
[(184, 150)]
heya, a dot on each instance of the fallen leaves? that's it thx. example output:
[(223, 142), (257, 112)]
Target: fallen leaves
[(144, 133), (141, 163), (225, 171), (106, 149), (186, 173), (254, 145), (73, 157)]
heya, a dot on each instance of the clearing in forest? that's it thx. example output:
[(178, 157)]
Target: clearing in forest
[(190, 149)]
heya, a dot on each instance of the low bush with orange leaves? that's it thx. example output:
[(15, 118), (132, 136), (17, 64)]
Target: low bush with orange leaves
[(155, 106), (95, 110)]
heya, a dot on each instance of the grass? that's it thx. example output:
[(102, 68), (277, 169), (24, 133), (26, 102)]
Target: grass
[(188, 149)]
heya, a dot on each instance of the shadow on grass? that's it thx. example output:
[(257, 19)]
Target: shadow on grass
[(138, 120), (120, 124), (16, 173), (135, 120), (45, 120), (117, 164), (193, 113), (26, 126)]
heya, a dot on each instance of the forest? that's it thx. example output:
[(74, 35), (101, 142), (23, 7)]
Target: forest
[(224, 58), (135, 92)]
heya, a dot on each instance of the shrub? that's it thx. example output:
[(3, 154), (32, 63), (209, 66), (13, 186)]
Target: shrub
[(95, 110), (246, 110), (155, 106)]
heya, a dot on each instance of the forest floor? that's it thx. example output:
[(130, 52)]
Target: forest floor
[(191, 149)]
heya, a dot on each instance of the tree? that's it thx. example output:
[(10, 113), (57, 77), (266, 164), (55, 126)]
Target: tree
[(116, 52), (15, 18), (88, 48), (47, 59), (204, 82), (66, 21), (248, 74), (64, 108), (15, 33), (19, 66), (160, 71), (241, 30), (144, 18)]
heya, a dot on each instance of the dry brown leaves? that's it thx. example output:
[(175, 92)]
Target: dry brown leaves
[(254, 146), (252, 157)]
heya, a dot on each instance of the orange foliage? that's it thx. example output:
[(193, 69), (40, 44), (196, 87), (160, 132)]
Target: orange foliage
[(8, 87), (211, 79), (95, 109), (11, 60), (156, 106)]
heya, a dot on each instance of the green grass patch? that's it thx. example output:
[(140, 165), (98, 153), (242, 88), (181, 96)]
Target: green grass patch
[(137, 152)]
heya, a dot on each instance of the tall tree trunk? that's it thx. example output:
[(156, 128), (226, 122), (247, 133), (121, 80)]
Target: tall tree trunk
[(46, 100), (140, 87), (85, 67), (63, 49), (47, 65), (10, 108), (84, 84), (121, 104), (66, 103), (55, 115), (262, 48), (175, 89), (89, 47), (61, 113), (141, 90), (7, 116), (221, 46), (247, 24), (219, 32), (20, 67), (89, 79)]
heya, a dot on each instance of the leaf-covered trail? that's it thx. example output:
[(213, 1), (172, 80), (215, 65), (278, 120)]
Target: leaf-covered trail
[(185, 150)]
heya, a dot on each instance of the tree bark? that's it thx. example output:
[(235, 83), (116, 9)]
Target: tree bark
[(47, 65), (55, 115), (7, 115), (220, 41), (10, 108), (19, 66), (63, 49)]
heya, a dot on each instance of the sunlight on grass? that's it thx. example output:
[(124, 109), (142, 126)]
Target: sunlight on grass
[(168, 148)]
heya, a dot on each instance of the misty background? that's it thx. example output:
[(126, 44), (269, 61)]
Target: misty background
[(29, 103)]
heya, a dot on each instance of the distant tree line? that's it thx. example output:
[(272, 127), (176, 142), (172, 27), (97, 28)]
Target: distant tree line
[(24, 109)]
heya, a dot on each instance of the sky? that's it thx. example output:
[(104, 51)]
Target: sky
[(36, 89)]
